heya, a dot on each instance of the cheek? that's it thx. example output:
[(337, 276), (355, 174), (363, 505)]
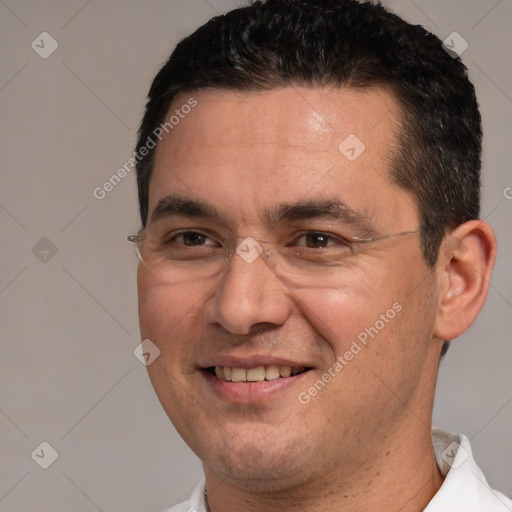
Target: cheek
[(377, 322), (382, 345), (168, 315), (347, 313)]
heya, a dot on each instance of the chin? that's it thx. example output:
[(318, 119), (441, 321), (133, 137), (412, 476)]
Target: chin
[(265, 467)]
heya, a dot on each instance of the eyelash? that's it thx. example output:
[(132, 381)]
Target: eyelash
[(330, 238), (171, 239)]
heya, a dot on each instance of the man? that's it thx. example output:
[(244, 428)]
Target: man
[(310, 245)]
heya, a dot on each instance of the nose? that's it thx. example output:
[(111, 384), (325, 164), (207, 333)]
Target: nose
[(249, 296)]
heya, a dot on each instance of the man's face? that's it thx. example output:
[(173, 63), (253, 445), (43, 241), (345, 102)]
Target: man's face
[(265, 165)]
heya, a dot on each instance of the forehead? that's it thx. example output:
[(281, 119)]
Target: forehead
[(282, 145)]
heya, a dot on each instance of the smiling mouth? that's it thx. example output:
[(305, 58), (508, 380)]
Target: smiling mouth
[(258, 374)]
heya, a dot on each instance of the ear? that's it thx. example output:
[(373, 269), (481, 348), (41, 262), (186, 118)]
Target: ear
[(464, 267)]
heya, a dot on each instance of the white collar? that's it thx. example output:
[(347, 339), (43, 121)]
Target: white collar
[(464, 487)]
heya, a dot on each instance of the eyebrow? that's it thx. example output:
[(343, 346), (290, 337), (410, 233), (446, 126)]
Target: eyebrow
[(329, 209), (173, 205)]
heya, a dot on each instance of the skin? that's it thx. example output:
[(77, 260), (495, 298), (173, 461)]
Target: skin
[(363, 442)]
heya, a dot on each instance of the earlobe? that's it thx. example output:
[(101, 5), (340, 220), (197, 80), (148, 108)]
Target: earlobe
[(465, 264)]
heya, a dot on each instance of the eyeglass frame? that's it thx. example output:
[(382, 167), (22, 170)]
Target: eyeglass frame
[(137, 239)]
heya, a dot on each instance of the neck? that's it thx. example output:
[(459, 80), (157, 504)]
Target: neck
[(397, 473)]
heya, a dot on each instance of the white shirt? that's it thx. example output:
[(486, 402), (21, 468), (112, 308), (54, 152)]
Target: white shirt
[(464, 489)]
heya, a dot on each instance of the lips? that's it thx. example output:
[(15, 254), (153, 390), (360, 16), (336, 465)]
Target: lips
[(255, 374), (252, 379)]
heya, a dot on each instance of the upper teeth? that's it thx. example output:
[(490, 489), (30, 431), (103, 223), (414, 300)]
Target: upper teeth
[(257, 374)]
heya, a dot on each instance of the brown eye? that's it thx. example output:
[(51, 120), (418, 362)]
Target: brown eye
[(321, 240), (317, 240), (190, 239)]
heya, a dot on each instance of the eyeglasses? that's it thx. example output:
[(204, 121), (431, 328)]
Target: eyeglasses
[(309, 259)]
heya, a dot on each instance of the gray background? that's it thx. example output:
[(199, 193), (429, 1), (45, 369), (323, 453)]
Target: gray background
[(69, 324)]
